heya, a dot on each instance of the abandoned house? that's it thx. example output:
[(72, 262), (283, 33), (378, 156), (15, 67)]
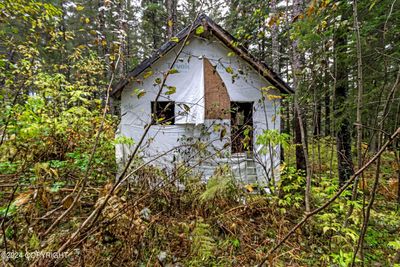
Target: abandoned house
[(210, 110)]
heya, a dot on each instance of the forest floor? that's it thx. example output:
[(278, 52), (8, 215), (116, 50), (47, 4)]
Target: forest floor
[(178, 220)]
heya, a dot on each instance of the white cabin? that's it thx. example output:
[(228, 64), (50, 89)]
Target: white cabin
[(210, 110)]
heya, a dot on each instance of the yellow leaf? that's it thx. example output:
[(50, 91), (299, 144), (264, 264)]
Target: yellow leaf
[(173, 71), (171, 90), (170, 23), (199, 30), (174, 39), (147, 74), (364, 145), (229, 70), (249, 188), (273, 97), (139, 92), (282, 167)]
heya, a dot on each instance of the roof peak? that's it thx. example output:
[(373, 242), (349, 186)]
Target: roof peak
[(226, 38), (204, 15)]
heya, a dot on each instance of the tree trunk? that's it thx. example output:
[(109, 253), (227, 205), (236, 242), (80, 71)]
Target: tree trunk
[(398, 173), (122, 38), (343, 135), (359, 105), (282, 128), (296, 67), (276, 69), (396, 146), (317, 111), (274, 37), (359, 84), (327, 104), (300, 158), (171, 21)]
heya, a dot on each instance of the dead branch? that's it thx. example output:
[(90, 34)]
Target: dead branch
[(5, 216), (331, 200), (158, 187), (83, 181), (377, 176), (94, 215)]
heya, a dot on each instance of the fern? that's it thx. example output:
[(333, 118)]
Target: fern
[(221, 185), (204, 245)]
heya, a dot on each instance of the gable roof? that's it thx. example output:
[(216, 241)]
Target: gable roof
[(225, 37)]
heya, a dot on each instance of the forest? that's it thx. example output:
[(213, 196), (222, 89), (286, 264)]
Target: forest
[(67, 200)]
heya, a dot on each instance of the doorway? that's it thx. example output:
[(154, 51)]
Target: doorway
[(242, 127)]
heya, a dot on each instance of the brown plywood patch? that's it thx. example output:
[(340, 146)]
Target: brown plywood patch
[(217, 102)]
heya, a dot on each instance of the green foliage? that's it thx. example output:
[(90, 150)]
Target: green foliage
[(272, 138), (394, 244), (8, 167), (51, 99), (204, 245), (139, 92), (235, 242), (56, 186), (34, 242), (343, 259), (124, 140), (8, 210), (173, 71), (220, 186), (171, 90), (290, 187), (55, 64), (9, 233)]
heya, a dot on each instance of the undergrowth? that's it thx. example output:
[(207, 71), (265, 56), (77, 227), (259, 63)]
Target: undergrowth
[(160, 219)]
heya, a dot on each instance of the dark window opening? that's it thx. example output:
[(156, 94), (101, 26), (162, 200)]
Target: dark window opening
[(163, 112), (242, 127)]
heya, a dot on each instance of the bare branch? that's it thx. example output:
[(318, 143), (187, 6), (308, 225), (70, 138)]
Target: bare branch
[(332, 199)]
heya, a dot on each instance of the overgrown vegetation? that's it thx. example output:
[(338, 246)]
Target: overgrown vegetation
[(58, 61), (197, 224)]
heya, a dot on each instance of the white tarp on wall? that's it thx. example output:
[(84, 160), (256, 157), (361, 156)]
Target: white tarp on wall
[(189, 100), (244, 86)]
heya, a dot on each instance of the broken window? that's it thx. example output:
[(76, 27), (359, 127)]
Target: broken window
[(242, 126), (163, 112)]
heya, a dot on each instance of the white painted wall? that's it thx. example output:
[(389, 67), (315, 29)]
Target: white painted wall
[(189, 83)]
